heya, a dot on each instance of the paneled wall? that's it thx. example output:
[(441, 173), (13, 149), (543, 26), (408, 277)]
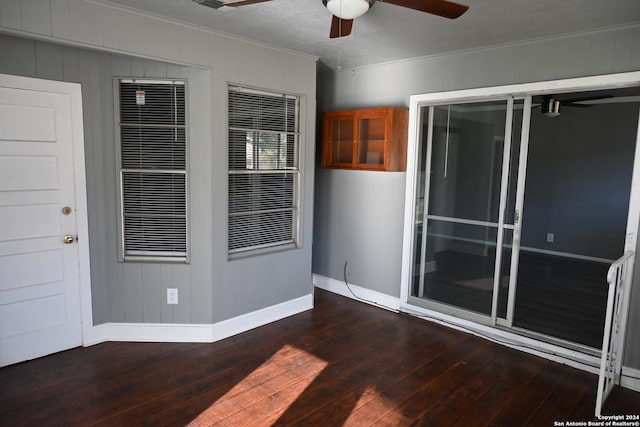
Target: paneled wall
[(346, 198), (91, 43), (127, 292)]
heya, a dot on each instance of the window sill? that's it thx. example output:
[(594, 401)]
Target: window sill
[(263, 251), (157, 260)]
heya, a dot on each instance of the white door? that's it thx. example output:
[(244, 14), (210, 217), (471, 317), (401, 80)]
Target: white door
[(40, 309)]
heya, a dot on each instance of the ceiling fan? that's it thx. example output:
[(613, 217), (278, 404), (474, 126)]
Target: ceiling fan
[(345, 11), (550, 106)]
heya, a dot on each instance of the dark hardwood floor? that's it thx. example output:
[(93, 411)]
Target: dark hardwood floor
[(343, 363)]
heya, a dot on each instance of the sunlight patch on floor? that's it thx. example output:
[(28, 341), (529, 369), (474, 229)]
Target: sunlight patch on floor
[(288, 366), (370, 407)]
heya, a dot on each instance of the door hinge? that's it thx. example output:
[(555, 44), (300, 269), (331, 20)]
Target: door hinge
[(516, 217)]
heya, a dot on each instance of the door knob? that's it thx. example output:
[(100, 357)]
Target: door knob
[(68, 239)]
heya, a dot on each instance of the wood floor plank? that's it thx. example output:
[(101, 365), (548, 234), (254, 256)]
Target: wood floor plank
[(271, 396), (362, 328), (585, 408), (417, 352), (564, 398), (526, 400), (622, 402), (460, 399), (62, 367), (342, 363), (73, 382), (388, 400), (104, 370), (434, 392), (300, 402), (350, 374)]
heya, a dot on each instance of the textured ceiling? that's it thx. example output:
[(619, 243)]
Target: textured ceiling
[(390, 33)]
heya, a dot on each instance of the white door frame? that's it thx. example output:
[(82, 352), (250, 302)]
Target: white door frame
[(73, 90), (486, 94)]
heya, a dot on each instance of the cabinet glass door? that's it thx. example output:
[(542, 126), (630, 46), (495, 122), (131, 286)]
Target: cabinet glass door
[(371, 139), (342, 140)]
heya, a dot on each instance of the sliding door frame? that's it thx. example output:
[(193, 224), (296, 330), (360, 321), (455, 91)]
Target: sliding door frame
[(499, 225), (517, 221), (525, 90)]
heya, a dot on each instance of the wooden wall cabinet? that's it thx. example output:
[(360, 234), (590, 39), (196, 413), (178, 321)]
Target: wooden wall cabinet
[(367, 139)]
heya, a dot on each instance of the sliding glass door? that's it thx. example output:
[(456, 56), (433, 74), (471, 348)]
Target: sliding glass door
[(482, 251), (477, 252), (465, 242), (575, 214)]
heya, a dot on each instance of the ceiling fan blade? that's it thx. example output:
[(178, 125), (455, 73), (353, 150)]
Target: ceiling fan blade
[(236, 3), (340, 27), (444, 8)]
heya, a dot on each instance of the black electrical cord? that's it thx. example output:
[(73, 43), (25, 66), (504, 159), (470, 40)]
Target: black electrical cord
[(344, 273)]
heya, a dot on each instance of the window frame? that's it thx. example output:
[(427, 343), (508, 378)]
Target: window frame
[(150, 256), (297, 172)]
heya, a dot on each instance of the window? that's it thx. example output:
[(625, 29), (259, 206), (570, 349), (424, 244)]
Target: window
[(153, 170), (264, 171)]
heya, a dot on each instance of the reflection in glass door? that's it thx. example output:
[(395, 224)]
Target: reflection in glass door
[(466, 207)]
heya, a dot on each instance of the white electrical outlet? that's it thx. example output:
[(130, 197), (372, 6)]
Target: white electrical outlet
[(172, 296), (550, 237)]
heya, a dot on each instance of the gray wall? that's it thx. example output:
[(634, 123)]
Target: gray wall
[(126, 292), (211, 288), (602, 52), (359, 223), (579, 178)]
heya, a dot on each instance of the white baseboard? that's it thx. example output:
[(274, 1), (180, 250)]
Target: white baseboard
[(361, 294), (201, 333), (94, 335), (252, 320), (630, 379), (158, 332)]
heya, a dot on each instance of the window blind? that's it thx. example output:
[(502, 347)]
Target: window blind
[(153, 173), (263, 169)]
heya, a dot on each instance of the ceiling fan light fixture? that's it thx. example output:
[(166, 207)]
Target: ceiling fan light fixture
[(550, 107), (348, 9)]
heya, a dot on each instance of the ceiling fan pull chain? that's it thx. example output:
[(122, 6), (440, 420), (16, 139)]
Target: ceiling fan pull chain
[(355, 33)]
